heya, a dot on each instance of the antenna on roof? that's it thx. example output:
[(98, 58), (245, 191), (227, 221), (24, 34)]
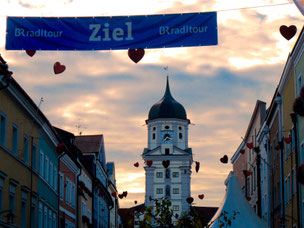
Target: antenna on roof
[(79, 125)]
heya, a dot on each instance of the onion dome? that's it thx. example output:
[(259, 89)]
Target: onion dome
[(167, 107)]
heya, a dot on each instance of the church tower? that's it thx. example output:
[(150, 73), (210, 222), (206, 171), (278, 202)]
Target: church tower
[(167, 158)]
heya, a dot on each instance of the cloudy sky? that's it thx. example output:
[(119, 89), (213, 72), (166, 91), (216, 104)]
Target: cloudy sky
[(104, 92)]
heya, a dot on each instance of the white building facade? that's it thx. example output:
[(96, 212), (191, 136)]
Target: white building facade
[(167, 157)]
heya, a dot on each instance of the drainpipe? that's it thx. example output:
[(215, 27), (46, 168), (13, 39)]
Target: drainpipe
[(294, 121)]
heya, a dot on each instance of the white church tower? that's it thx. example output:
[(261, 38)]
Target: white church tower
[(168, 145)]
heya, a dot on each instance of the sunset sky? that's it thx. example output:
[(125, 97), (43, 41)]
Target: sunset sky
[(104, 92)]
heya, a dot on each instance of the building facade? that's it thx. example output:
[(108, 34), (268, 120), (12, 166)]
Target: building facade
[(28, 191), (168, 158)]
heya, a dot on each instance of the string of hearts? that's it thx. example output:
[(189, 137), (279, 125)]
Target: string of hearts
[(137, 54)]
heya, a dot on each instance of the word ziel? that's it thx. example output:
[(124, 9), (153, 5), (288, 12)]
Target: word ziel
[(105, 34)]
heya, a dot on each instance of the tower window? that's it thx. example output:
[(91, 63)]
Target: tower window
[(153, 136), (159, 175), (180, 135), (167, 151), (175, 174), (159, 191), (167, 173), (154, 128), (175, 190), (175, 207), (167, 190), (167, 127), (180, 128)]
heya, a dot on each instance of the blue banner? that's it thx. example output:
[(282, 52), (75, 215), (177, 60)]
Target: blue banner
[(106, 33)]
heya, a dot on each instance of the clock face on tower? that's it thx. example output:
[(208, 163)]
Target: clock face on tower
[(167, 136)]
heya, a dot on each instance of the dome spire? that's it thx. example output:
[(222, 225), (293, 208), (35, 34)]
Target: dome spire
[(167, 107)]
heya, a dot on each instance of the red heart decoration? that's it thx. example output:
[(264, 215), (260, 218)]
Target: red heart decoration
[(166, 163), (224, 159), (201, 196), (125, 194), (58, 68), (185, 171), (189, 200), (248, 198), (287, 140), (114, 194), (250, 145), (150, 198), (135, 201), (136, 164), (149, 163), (288, 32), (248, 173), (31, 53), (60, 148), (197, 166), (120, 196), (136, 54), (100, 193), (277, 147), (242, 151), (142, 210)]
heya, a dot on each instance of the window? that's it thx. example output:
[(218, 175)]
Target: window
[(73, 195), (34, 157), (25, 148), (175, 207), (167, 190), (50, 219), (159, 191), (167, 173), (12, 198), (180, 135), (51, 174), (299, 83), (289, 187), (67, 191), (154, 128), (15, 140), (153, 136), (159, 175), (167, 127), (83, 208), (175, 174), (286, 191), (46, 169), (175, 190), (40, 215), (1, 196), (180, 128), (2, 129), (61, 183), (54, 220), (23, 209), (55, 178), (33, 213), (45, 217), (167, 151), (41, 163)]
